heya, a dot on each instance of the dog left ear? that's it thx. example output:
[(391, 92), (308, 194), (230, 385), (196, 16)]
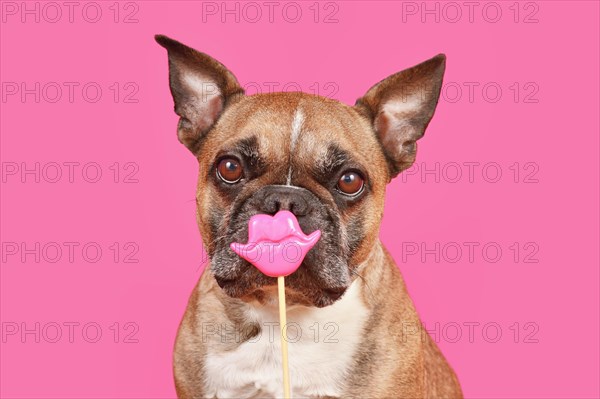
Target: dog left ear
[(201, 87), (400, 108)]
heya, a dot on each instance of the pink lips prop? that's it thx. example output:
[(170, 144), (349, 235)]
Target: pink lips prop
[(276, 244)]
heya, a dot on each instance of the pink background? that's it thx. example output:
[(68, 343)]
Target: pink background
[(554, 211)]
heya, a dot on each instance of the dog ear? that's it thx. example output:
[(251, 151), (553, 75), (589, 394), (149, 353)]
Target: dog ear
[(201, 87), (400, 108)]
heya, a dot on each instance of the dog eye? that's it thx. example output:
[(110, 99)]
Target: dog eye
[(351, 183), (229, 170)]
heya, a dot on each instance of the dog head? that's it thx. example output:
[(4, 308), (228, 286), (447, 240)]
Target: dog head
[(326, 162)]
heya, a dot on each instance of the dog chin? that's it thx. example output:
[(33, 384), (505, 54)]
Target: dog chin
[(266, 295)]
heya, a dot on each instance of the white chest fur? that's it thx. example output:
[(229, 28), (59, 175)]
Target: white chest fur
[(321, 344)]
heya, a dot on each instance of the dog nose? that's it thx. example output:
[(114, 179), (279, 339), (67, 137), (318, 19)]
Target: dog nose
[(278, 198)]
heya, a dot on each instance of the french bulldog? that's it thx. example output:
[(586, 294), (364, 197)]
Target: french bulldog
[(353, 331)]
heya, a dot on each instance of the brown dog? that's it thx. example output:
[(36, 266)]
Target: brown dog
[(353, 331)]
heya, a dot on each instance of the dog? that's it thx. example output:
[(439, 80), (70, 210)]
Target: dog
[(355, 332)]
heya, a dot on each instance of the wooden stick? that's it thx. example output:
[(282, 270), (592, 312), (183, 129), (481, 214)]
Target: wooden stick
[(283, 328)]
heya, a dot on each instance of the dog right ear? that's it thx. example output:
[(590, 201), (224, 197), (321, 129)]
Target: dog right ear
[(201, 87), (400, 108)]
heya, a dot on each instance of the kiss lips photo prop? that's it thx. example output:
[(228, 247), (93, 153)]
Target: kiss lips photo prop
[(277, 246)]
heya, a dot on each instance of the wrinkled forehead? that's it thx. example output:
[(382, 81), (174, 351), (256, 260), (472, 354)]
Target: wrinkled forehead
[(295, 128)]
